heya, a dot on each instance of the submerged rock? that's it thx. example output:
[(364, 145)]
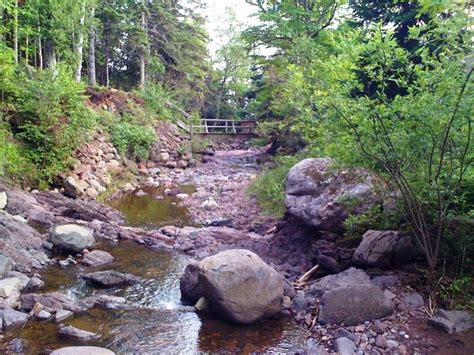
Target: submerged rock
[(97, 258), (110, 278), (53, 301), (383, 249), (240, 286), (77, 334), (353, 305), (82, 350), (72, 237), (323, 197)]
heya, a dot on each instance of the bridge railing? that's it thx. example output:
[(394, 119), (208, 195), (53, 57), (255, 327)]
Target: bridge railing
[(225, 126)]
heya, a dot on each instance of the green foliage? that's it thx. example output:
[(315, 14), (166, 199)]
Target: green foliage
[(13, 163), (269, 187), (52, 121), (458, 293), (133, 140), (155, 99)]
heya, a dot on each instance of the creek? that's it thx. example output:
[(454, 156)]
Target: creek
[(156, 322)]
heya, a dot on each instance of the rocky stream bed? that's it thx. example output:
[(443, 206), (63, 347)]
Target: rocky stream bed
[(147, 234)]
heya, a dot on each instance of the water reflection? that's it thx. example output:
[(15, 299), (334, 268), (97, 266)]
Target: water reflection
[(154, 209), (150, 327)]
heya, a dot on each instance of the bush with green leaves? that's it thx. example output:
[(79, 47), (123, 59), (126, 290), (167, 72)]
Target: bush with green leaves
[(269, 187), (133, 140), (51, 120), (419, 139)]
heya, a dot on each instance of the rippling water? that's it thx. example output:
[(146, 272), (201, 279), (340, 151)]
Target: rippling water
[(155, 324), (157, 327)]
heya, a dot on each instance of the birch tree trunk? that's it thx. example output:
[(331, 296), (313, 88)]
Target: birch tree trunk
[(15, 31), (80, 43), (91, 54), (144, 50)]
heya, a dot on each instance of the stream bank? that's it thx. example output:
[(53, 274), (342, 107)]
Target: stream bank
[(160, 252)]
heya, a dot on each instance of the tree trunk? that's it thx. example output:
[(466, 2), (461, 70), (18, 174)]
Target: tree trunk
[(91, 56), (40, 53), (50, 54), (15, 32), (144, 50), (80, 43), (107, 79)]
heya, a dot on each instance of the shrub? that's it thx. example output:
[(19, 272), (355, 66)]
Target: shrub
[(269, 187), (133, 140), (52, 120), (155, 98), (12, 159)]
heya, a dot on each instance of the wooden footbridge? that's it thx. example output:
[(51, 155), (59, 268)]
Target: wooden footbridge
[(214, 127)]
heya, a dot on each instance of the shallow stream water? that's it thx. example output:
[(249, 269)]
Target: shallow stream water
[(155, 323)]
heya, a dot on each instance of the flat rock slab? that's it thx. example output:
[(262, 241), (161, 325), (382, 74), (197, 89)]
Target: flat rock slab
[(10, 286), (452, 321), (53, 301), (77, 334), (353, 305), (72, 237), (82, 350), (9, 318), (97, 258), (110, 278)]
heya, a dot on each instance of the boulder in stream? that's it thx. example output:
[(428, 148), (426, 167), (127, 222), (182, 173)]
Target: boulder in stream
[(110, 278), (9, 319), (72, 237), (77, 334), (240, 286), (97, 258)]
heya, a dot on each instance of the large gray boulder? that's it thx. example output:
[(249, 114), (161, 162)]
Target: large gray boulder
[(353, 305), (452, 321), (5, 266), (384, 249), (82, 350), (349, 277), (240, 286), (9, 319), (110, 278), (72, 237), (323, 196)]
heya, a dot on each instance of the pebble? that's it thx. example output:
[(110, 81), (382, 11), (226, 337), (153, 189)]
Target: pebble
[(392, 344)]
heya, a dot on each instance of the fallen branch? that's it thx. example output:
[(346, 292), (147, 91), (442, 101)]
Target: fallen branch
[(306, 276)]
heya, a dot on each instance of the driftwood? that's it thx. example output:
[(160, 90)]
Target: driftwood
[(303, 280)]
